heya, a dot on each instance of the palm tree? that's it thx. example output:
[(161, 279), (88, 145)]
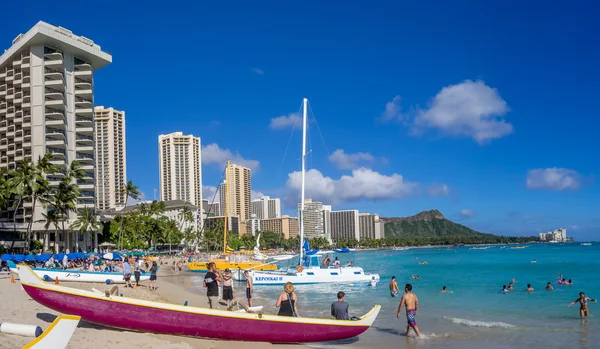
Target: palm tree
[(186, 218), (169, 230), (41, 187), (21, 181), (5, 191), (131, 191), (65, 198), (52, 217), (86, 221)]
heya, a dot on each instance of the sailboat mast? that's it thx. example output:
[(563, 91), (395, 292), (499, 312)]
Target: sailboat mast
[(304, 103), (225, 211)]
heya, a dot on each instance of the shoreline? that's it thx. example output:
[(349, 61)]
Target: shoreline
[(21, 309)]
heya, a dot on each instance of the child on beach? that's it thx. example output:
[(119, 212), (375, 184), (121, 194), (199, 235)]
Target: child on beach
[(411, 302)]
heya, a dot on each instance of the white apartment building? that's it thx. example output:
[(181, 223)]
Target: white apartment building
[(558, 235), (253, 225), (313, 218), (265, 207), (46, 106), (345, 225), (211, 209), (180, 168), (110, 156), (371, 226), (327, 222)]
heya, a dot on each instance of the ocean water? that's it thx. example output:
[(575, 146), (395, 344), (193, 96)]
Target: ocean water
[(474, 313)]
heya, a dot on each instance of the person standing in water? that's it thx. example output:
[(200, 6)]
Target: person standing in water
[(411, 302), (249, 287), (394, 291), (584, 311)]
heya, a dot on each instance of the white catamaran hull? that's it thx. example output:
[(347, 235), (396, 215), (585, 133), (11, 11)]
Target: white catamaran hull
[(344, 275), (83, 276)]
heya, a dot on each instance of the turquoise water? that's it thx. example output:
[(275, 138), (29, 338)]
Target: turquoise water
[(475, 313)]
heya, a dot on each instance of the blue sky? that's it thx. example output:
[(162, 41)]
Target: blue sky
[(486, 111)]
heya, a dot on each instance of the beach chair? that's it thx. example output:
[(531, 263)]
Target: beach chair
[(57, 335)]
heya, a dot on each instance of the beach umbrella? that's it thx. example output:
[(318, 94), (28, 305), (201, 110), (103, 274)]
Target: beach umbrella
[(18, 258), (113, 256), (6, 257), (43, 257), (59, 256), (29, 258)]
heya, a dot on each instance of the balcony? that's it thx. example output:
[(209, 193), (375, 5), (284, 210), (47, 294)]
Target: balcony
[(58, 153), (83, 84), (82, 103), (55, 122), (88, 149), (82, 157), (56, 143), (54, 114), (86, 193), (84, 92), (83, 70), (53, 93), (53, 59), (55, 133), (83, 121), (55, 103), (84, 130), (84, 140), (54, 180), (25, 62)]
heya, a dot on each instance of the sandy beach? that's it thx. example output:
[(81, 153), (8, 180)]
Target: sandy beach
[(18, 307)]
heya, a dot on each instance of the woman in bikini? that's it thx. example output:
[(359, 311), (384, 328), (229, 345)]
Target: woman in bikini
[(583, 302)]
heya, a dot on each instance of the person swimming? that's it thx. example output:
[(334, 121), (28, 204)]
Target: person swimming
[(444, 289), (504, 288), (510, 286), (549, 287), (529, 288)]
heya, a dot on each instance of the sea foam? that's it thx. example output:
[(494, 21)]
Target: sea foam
[(475, 323)]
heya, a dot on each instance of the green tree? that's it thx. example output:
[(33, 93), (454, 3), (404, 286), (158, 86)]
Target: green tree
[(51, 217), (65, 197), (131, 191), (87, 221)]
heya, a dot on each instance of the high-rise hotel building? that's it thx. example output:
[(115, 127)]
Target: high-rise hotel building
[(180, 168), (236, 198), (46, 106), (111, 162)]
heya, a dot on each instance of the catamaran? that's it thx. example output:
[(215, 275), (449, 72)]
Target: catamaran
[(309, 270)]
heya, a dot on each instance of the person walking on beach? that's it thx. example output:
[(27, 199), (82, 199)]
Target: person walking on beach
[(211, 282), (287, 301), (153, 270), (136, 271), (411, 302), (394, 291), (228, 287), (127, 273), (249, 287), (584, 311), (339, 308)]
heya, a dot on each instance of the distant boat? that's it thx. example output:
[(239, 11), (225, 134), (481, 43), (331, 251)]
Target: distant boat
[(480, 248), (586, 244), (400, 248), (342, 250)]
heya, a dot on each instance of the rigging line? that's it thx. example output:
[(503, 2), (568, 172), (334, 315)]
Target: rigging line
[(287, 147), (319, 129)]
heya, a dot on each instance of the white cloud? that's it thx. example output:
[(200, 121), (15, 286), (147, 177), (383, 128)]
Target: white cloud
[(553, 179), (363, 184), (346, 161), (210, 192), (257, 195), (393, 110), (471, 109), (285, 121), (438, 190), (258, 71), (466, 213), (213, 154)]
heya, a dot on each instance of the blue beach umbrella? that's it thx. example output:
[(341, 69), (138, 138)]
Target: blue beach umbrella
[(29, 258), (18, 258), (6, 257)]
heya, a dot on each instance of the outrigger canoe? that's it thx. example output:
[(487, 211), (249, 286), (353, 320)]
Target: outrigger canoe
[(171, 319), (79, 276)]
